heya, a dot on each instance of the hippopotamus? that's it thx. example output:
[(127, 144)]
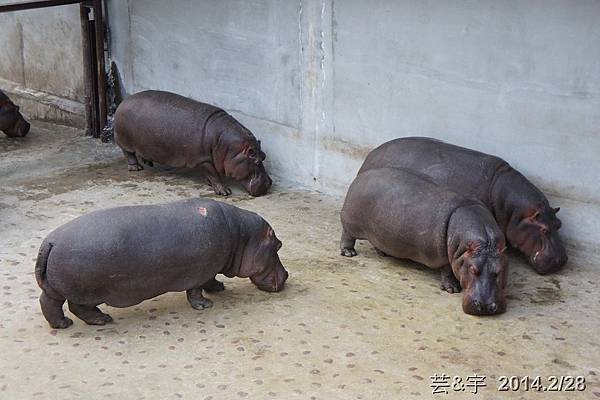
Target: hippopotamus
[(177, 131), (12, 122), (405, 214), (122, 256), (521, 209)]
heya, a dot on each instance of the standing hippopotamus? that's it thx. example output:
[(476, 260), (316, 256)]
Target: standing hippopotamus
[(125, 255), (520, 208), (12, 122), (407, 215), (176, 131)]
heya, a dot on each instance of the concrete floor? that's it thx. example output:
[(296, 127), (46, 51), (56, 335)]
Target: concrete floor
[(360, 328)]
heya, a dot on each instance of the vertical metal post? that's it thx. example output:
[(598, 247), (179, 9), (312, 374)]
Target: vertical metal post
[(99, 26), (88, 82)]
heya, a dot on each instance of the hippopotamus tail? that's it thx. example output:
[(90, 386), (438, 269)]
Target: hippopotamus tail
[(51, 301), (41, 264)]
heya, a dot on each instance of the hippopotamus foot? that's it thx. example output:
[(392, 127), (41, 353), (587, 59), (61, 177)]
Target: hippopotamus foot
[(219, 187), (132, 161), (213, 286), (196, 300), (148, 162), (91, 315), (381, 253), (348, 252), (347, 245), (221, 190), (214, 179), (53, 312), (449, 282)]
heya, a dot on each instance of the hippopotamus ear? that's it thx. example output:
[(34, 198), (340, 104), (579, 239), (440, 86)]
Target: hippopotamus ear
[(556, 210), (261, 153)]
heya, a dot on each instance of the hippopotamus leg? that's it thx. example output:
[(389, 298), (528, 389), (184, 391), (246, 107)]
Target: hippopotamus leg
[(91, 315), (214, 179), (449, 282), (213, 286), (196, 299), (148, 162), (132, 161), (53, 312), (380, 252), (347, 244)]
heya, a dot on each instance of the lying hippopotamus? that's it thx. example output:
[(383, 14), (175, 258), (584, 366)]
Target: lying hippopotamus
[(520, 208), (176, 131), (406, 215), (122, 256), (12, 122)]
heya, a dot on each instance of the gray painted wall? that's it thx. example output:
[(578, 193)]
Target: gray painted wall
[(323, 82), (41, 62)]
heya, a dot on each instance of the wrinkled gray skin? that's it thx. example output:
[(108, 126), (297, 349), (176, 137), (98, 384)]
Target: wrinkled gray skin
[(12, 122), (406, 215), (122, 256), (521, 209), (176, 131)]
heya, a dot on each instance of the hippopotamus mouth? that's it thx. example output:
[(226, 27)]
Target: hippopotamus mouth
[(545, 262), (475, 307), (272, 281), (258, 183)]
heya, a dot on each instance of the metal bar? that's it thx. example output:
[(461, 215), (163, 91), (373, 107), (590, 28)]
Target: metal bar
[(94, 80), (88, 80), (30, 5), (99, 24)]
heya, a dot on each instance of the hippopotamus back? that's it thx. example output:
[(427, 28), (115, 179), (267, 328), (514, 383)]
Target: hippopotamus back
[(124, 255), (178, 131), (173, 128), (520, 208), (402, 213), (472, 173), (158, 241), (405, 214)]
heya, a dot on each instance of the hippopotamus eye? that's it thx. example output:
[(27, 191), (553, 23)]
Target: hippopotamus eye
[(544, 230), (474, 270), (251, 152)]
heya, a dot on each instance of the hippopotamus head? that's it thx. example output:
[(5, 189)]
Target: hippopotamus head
[(261, 263), (12, 122), (535, 233), (243, 162), (482, 271)]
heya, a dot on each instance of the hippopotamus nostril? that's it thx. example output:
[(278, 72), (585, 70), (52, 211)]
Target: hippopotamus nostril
[(492, 308), (477, 306)]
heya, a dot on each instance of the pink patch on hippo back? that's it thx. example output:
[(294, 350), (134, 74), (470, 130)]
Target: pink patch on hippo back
[(202, 211)]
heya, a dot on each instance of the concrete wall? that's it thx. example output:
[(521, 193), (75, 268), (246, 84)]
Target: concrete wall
[(41, 62), (323, 82)]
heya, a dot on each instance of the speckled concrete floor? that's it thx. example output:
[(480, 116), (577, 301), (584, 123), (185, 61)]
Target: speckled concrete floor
[(361, 328)]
